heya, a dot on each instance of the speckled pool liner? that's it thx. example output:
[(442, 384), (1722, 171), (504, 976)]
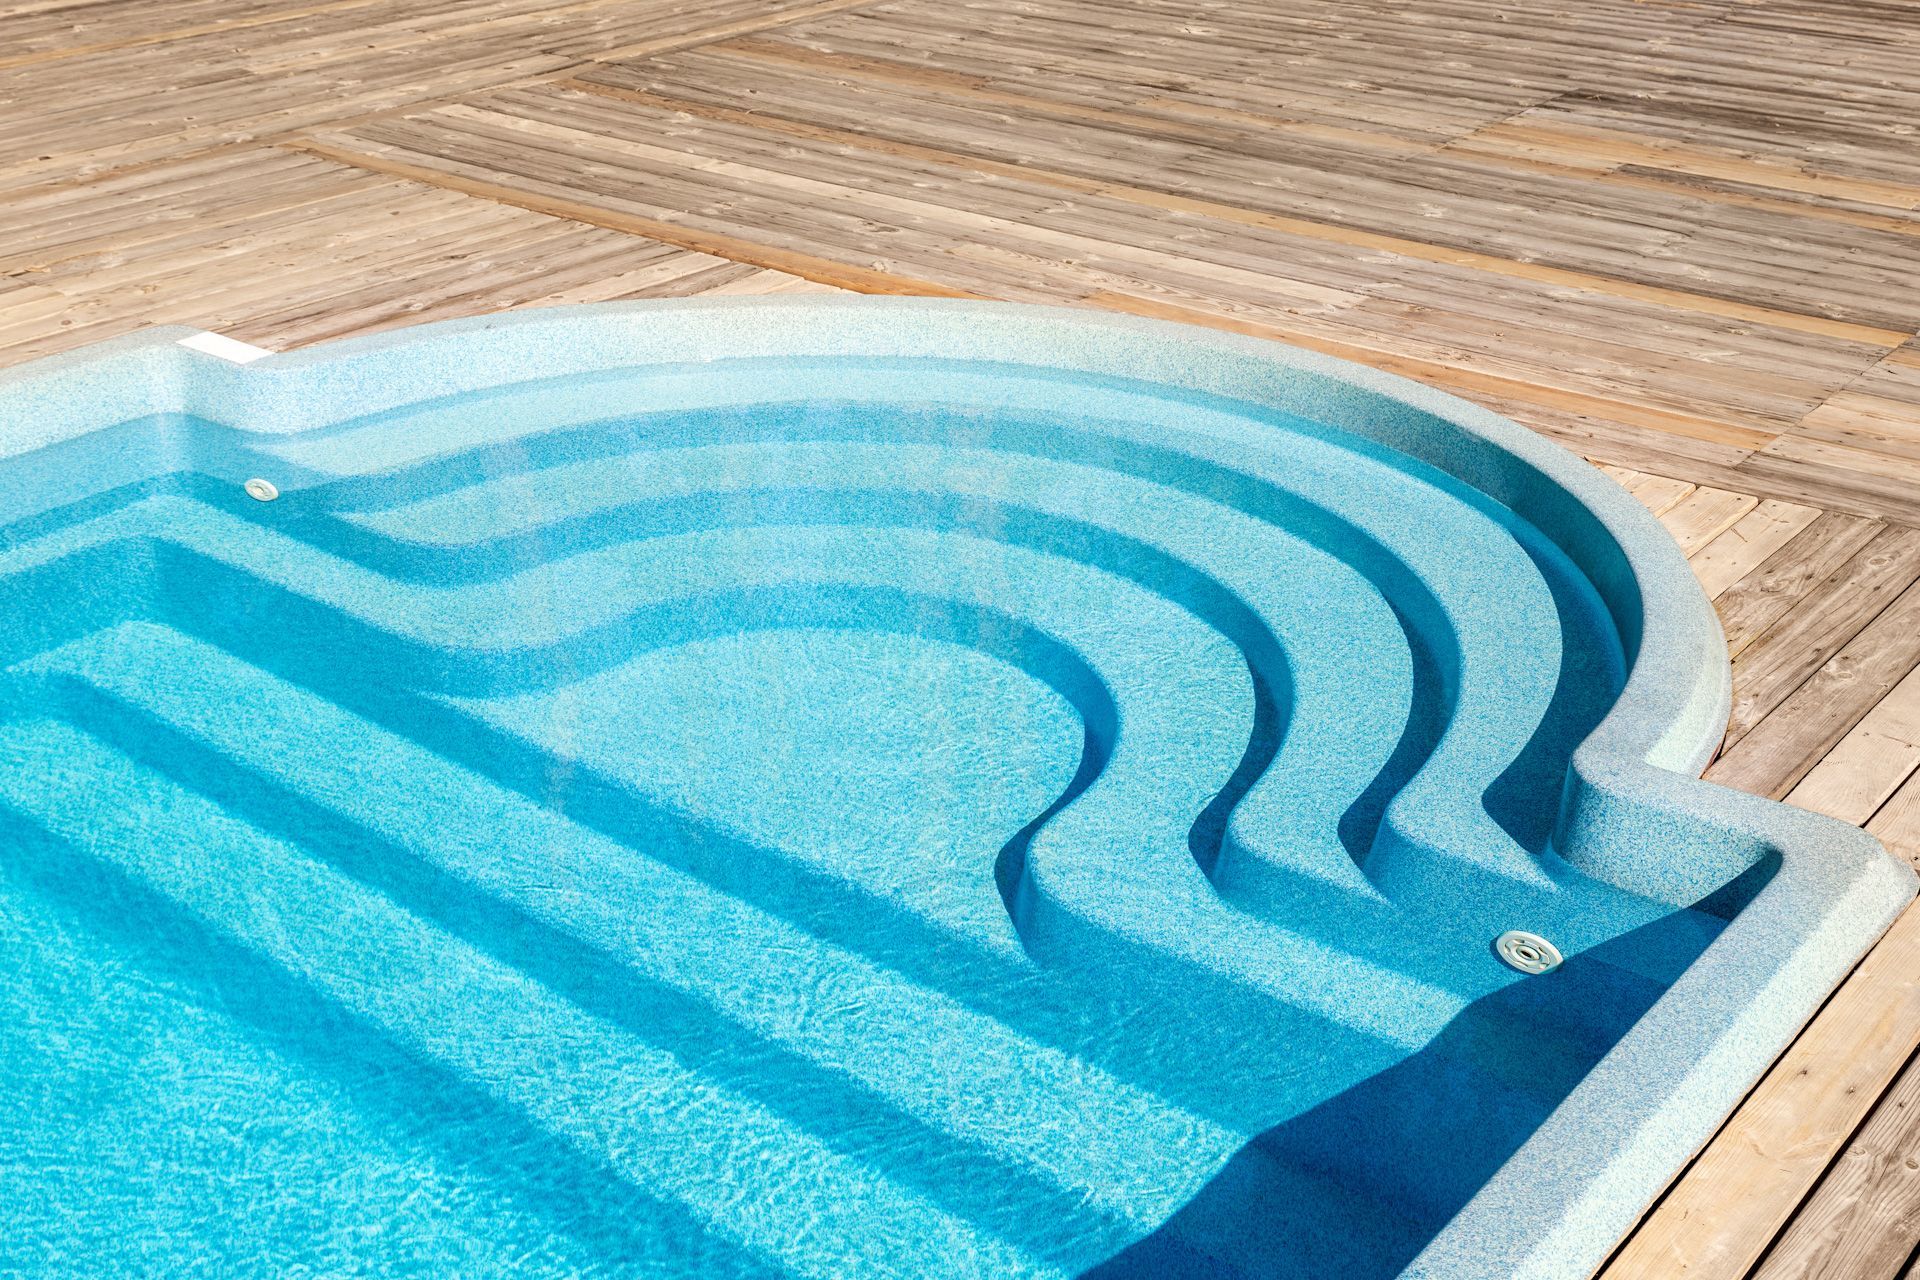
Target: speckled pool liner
[(1634, 811)]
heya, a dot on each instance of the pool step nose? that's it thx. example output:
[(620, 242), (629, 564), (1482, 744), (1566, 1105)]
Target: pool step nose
[(720, 973), (276, 729), (604, 1091)]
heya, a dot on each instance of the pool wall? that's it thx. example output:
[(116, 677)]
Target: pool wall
[(1634, 812)]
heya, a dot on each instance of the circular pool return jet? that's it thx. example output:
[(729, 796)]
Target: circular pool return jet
[(1527, 952)]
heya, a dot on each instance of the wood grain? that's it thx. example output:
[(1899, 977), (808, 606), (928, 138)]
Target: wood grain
[(1853, 779), (1812, 557), (1791, 734), (1749, 543), (1864, 1217), (1720, 1217), (1835, 610)]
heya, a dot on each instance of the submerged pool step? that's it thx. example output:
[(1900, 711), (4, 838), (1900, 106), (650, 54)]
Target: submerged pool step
[(1411, 998), (453, 640), (1487, 594), (1308, 625), (448, 628), (915, 1051), (771, 1187), (256, 603), (283, 628), (177, 1044), (385, 803)]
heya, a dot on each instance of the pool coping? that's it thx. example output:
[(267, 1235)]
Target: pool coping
[(1578, 1183)]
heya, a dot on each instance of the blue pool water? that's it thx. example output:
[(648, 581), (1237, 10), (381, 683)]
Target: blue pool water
[(816, 817)]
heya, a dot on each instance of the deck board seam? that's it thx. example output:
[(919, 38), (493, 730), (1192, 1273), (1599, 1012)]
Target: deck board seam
[(1318, 229)]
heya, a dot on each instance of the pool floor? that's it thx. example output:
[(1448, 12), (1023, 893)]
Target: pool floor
[(891, 836)]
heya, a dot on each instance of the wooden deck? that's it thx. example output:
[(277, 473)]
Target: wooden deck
[(1680, 236)]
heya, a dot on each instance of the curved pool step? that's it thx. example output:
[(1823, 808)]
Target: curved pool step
[(1309, 626), (1226, 458), (184, 683), (372, 618), (1364, 928), (245, 716), (1466, 573), (780, 1191)]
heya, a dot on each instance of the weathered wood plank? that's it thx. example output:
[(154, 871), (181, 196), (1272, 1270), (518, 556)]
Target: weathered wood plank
[(1862, 1221), (1846, 773), (1718, 1218), (1743, 548), (865, 128), (272, 249), (826, 271), (1603, 274), (1659, 494), (1871, 762), (1813, 555), (1897, 823), (1847, 601), (1704, 515)]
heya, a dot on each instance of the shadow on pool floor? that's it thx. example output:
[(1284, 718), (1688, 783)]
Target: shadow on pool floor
[(1357, 1186)]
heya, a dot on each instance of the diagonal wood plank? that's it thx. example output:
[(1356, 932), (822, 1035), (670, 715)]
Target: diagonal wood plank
[(1854, 778), (1863, 1220), (1775, 737), (1750, 543), (1718, 1219), (272, 249), (1704, 515), (1786, 580)]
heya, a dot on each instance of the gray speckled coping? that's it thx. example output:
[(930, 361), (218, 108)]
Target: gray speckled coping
[(1584, 1177)]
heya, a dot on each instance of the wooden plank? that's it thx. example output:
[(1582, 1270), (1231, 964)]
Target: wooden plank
[(1467, 382), (1897, 823), (1719, 1217), (1814, 554), (1607, 149), (820, 270), (1705, 514), (915, 188), (1862, 1221), (1832, 613), (198, 76), (294, 226), (1790, 737), (1885, 477), (1358, 237), (1751, 541), (1659, 494), (167, 34), (1860, 773), (736, 27)]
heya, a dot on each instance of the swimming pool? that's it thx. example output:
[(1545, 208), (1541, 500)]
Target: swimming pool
[(857, 787)]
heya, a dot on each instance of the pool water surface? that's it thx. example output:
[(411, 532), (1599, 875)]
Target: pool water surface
[(858, 812)]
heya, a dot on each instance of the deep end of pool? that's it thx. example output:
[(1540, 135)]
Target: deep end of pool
[(858, 787)]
